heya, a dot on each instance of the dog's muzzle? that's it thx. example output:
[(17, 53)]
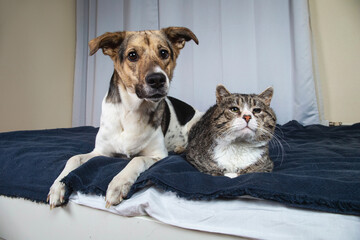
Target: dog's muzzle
[(155, 89)]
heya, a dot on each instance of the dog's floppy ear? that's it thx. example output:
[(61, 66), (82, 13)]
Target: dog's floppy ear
[(179, 35), (109, 43)]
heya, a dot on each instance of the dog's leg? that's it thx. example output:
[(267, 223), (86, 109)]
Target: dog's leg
[(120, 185), (57, 189)]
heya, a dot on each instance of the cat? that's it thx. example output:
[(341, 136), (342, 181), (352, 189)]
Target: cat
[(232, 137)]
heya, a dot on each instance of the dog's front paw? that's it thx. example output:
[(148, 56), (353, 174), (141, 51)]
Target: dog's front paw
[(56, 194), (179, 149), (117, 190)]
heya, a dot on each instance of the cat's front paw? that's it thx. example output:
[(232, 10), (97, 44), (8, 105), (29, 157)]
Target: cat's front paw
[(231, 175), (56, 194), (117, 190)]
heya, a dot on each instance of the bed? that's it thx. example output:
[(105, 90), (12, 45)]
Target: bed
[(313, 192)]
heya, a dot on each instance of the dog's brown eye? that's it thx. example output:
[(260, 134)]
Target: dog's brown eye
[(257, 110), (164, 54), (133, 56)]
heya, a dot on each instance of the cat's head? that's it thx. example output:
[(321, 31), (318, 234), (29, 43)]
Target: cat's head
[(249, 117)]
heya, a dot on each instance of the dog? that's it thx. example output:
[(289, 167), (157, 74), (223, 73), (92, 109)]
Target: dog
[(138, 120)]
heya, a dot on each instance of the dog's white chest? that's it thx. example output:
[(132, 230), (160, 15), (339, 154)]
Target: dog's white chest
[(234, 157), (122, 131)]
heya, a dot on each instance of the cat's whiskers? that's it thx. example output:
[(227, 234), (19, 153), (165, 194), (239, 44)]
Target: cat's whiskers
[(277, 143)]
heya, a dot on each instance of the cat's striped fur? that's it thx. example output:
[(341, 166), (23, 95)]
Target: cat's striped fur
[(233, 136)]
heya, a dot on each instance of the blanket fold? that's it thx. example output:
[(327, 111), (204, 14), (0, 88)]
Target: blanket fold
[(315, 167)]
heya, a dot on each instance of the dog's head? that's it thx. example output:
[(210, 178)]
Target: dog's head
[(144, 60)]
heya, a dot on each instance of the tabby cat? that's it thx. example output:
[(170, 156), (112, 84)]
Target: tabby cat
[(233, 136)]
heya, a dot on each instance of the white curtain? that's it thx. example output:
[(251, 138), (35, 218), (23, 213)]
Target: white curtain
[(247, 45)]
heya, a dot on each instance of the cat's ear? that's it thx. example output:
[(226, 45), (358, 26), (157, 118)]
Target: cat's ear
[(221, 92), (267, 95)]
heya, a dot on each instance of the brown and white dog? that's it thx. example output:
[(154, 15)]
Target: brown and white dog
[(138, 120)]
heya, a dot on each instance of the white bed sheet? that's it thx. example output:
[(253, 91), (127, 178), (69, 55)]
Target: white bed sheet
[(244, 217)]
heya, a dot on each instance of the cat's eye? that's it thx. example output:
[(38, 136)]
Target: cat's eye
[(257, 110), (234, 109), (133, 56)]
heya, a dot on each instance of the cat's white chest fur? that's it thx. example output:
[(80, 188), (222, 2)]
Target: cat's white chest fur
[(236, 156)]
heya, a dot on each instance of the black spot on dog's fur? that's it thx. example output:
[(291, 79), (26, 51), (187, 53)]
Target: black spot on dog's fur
[(184, 112), (113, 95), (165, 119)]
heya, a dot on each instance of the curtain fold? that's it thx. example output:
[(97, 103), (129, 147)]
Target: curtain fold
[(305, 101), (246, 45), (80, 73)]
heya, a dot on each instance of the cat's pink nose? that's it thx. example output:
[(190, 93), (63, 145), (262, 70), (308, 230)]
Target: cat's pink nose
[(247, 118)]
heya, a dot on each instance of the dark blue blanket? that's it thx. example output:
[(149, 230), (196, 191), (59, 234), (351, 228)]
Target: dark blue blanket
[(316, 167)]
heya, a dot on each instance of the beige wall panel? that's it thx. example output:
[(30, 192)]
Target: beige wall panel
[(336, 28), (37, 45)]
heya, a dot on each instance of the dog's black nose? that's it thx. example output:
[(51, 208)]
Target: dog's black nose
[(156, 80)]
